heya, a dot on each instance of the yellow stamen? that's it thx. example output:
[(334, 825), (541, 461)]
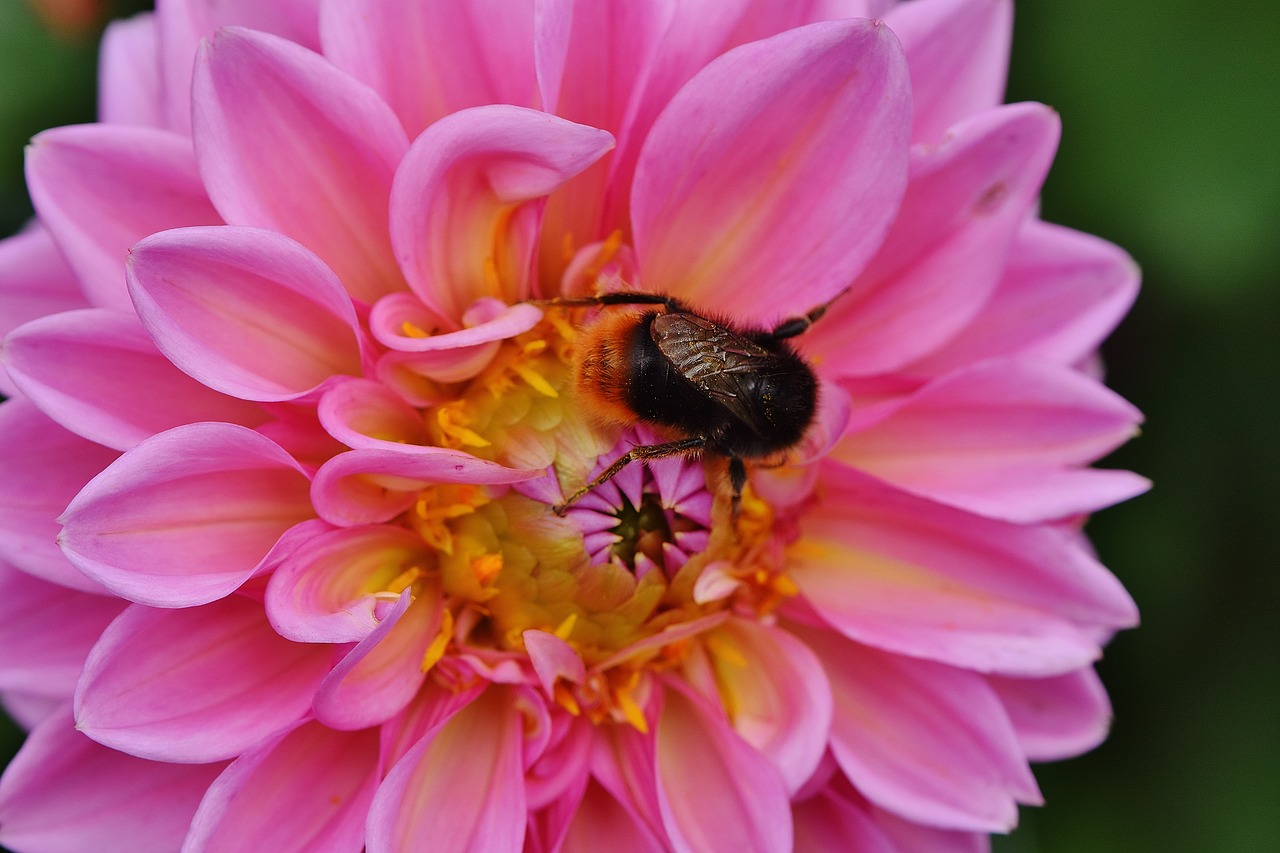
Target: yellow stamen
[(439, 642), (565, 628), (631, 712), (535, 380), (402, 581), (725, 651), (565, 699), (452, 420)]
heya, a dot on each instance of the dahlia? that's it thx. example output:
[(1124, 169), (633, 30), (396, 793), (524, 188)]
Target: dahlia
[(293, 416)]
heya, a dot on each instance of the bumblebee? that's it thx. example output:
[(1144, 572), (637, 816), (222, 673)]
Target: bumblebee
[(716, 389)]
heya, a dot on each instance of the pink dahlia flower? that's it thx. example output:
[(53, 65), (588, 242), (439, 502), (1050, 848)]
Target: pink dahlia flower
[(281, 569)]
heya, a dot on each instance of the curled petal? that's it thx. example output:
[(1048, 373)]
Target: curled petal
[(101, 188), (248, 312), (398, 321), (98, 373), (774, 174), (373, 486), (288, 142), (908, 575), (1003, 439), (65, 792), (187, 516), (44, 467), (259, 796), (430, 59), (553, 659), (203, 684), (363, 414), (468, 200), (461, 788), (922, 740), (716, 792), (325, 590), (379, 677)]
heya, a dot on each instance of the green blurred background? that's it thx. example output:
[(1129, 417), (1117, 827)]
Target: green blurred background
[(1171, 148)]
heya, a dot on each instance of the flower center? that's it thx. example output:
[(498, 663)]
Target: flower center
[(632, 573)]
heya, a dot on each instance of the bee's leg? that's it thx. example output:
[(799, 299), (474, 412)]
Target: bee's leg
[(682, 447), (737, 480), (622, 297), (798, 325)]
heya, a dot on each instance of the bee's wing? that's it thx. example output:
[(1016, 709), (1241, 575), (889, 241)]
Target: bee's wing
[(721, 363)]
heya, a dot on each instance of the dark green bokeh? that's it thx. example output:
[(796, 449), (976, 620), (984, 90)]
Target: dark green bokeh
[(1170, 148)]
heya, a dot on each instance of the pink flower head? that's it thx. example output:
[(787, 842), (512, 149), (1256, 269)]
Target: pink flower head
[(292, 403)]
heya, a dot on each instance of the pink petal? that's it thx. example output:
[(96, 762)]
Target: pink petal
[(1056, 718), (97, 372), (326, 591), (487, 322), (832, 822), (430, 59), (44, 467), (34, 282), (922, 740), (365, 414), (290, 143), (29, 710), (553, 659), (907, 575), (1003, 439), (778, 693), (196, 685), (46, 632), (460, 788), (825, 10), (378, 678), (467, 201), (306, 790), (129, 73), (183, 24), (63, 792), (773, 175), (624, 762), (101, 188), (373, 486), (716, 792), (555, 779), (966, 200), (906, 835), (958, 52), (248, 312), (187, 516), (600, 816), (641, 45), (1061, 293)]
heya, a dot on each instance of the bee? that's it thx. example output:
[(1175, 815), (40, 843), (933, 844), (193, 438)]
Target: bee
[(743, 394)]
